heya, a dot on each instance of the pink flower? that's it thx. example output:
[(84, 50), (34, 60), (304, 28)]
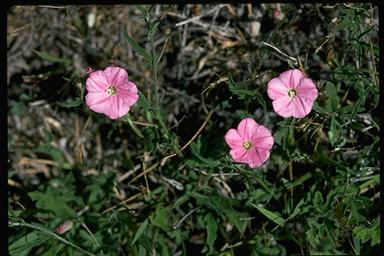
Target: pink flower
[(110, 92), (64, 227), (292, 94), (250, 143)]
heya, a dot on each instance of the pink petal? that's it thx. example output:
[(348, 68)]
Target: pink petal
[(291, 78), (254, 158), (127, 92), (263, 139), (239, 155), (233, 139), (96, 98), (246, 128), (101, 106), (112, 109), (307, 89), (283, 106), (276, 89), (124, 107), (96, 82), (116, 75), (127, 98), (258, 157), (129, 86), (301, 107)]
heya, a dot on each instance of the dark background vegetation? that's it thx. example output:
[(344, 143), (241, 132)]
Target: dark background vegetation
[(317, 194)]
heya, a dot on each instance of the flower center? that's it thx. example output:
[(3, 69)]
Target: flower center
[(291, 93), (111, 90), (247, 145)]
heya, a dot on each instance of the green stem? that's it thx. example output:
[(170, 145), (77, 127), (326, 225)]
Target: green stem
[(155, 84), (48, 232), (154, 71)]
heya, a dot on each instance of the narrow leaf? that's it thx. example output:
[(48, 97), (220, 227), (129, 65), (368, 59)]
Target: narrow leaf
[(138, 48), (211, 232), (71, 103), (140, 231), (270, 215), (332, 96), (51, 58)]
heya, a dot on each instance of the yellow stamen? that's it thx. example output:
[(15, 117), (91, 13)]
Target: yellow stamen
[(111, 90), (247, 145), (291, 93)]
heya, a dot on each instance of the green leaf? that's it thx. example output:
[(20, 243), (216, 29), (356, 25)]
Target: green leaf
[(356, 109), (333, 132), (270, 215), (47, 57), (320, 109), (357, 245), (138, 48), (70, 103), (23, 245), (101, 189), (371, 182), (318, 200), (300, 180), (234, 217), (211, 232), (143, 102), (127, 118), (56, 155), (181, 200), (333, 99), (161, 218), (140, 231), (368, 233), (53, 203)]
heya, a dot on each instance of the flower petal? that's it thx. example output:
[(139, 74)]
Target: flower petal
[(263, 139), (291, 78), (307, 89), (93, 98), (247, 128), (258, 157), (301, 107), (96, 82), (112, 110), (127, 92), (116, 75), (239, 155), (233, 139), (99, 106), (282, 106), (276, 89), (254, 158), (129, 86)]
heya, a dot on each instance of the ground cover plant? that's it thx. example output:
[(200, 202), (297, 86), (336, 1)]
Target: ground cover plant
[(249, 129)]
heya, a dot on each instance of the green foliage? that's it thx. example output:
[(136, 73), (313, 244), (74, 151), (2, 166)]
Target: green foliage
[(51, 58), (372, 232), (270, 215), (70, 103), (140, 192), (25, 244), (147, 57)]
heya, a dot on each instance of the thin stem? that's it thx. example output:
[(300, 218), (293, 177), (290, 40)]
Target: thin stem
[(184, 218), (154, 70), (91, 234), (48, 232)]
